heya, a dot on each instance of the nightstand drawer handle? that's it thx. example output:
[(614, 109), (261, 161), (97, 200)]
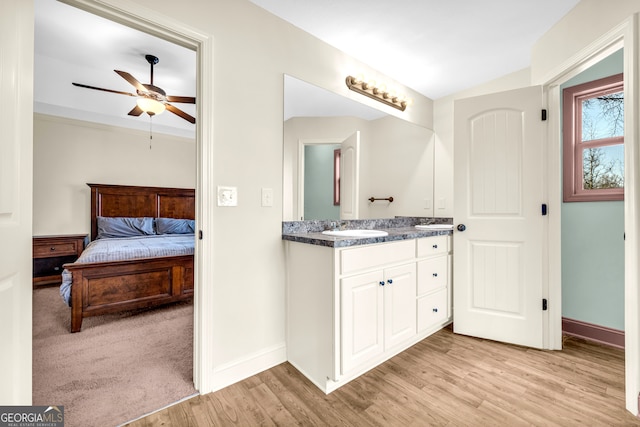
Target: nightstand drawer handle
[(53, 248)]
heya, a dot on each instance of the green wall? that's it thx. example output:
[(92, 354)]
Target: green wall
[(593, 244), (318, 182)]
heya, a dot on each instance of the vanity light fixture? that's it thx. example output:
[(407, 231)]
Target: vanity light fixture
[(379, 93)]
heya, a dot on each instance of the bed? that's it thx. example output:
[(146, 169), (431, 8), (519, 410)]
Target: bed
[(112, 285)]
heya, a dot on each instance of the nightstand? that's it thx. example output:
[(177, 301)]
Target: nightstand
[(51, 252)]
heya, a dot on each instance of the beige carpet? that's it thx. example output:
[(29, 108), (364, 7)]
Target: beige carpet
[(119, 367)]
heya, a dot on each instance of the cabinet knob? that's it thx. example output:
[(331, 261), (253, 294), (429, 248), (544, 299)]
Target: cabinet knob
[(53, 248), (382, 283), (435, 246), (435, 274), (389, 281), (461, 227), (435, 310)]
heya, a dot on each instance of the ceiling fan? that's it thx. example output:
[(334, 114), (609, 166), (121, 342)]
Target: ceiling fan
[(151, 99)]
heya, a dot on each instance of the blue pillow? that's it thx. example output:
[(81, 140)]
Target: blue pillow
[(175, 226), (113, 227)]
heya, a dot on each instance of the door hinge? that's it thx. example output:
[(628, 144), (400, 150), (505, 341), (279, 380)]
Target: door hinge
[(544, 114), (200, 234), (544, 209), (544, 304)]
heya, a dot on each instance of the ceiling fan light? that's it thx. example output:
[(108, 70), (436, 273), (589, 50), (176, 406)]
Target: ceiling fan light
[(150, 106)]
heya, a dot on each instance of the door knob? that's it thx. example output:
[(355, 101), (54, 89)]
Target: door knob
[(461, 227)]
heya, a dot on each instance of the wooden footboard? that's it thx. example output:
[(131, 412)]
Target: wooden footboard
[(101, 288)]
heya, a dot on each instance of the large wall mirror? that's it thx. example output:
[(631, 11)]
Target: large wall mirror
[(338, 149)]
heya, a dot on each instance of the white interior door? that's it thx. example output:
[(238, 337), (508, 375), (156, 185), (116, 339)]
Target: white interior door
[(16, 157), (349, 177), (499, 193)]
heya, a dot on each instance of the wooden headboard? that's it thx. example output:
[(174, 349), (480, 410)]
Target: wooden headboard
[(132, 201)]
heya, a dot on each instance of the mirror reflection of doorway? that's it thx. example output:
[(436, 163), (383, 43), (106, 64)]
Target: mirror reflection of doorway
[(317, 178), (319, 173)]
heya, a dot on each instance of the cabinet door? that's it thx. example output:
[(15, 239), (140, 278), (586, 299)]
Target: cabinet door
[(399, 304), (362, 319)]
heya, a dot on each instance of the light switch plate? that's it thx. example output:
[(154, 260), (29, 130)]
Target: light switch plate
[(227, 196), (267, 197)]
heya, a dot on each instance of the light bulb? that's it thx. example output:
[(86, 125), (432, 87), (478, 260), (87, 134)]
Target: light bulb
[(369, 84), (150, 106), (380, 90)]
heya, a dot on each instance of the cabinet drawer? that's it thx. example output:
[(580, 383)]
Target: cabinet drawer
[(376, 256), (433, 246), (432, 274), (432, 310), (54, 249), (51, 266)]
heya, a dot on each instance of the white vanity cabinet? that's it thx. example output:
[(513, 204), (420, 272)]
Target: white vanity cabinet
[(378, 311), (434, 278), (350, 309)]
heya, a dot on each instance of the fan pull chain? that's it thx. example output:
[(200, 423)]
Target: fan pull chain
[(150, 130)]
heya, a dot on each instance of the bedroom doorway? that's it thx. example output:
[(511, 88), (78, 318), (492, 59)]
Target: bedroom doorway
[(175, 33)]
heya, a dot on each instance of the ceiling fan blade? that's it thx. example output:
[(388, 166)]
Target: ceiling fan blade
[(102, 89), (183, 99), (128, 77), (180, 113), (136, 111)]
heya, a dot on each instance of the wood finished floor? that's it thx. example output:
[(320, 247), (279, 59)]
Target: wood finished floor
[(445, 380)]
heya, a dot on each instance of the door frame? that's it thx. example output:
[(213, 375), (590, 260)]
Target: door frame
[(151, 22), (625, 35), (301, 165)]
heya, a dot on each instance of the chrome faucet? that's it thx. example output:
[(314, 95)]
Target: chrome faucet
[(333, 226)]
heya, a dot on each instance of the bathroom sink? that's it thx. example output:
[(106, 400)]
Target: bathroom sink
[(435, 227), (356, 233)]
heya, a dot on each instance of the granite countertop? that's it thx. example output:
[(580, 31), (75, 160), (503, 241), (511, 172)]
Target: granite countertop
[(310, 232)]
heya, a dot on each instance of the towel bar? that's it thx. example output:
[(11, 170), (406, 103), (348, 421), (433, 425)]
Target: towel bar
[(373, 199)]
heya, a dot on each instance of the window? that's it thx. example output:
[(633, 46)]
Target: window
[(593, 134)]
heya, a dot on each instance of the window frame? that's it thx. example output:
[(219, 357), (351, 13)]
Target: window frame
[(573, 147)]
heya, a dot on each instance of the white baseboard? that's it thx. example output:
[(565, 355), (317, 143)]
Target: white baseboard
[(238, 370)]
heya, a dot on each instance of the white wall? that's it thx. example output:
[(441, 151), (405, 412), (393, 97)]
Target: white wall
[(401, 165), (586, 22), (68, 154)]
